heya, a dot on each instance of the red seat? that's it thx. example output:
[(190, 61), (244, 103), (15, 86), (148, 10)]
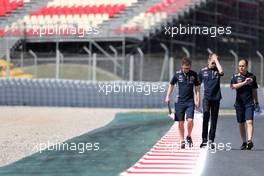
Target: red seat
[(7, 6), (2, 32), (101, 9), (168, 6)]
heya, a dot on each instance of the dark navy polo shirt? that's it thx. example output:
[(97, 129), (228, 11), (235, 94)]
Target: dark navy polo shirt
[(186, 82), (244, 94), (210, 77)]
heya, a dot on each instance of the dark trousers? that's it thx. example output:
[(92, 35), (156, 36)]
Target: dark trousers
[(210, 109)]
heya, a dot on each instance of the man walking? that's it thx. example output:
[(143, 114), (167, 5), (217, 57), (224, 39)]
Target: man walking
[(246, 86), (210, 77), (186, 80)]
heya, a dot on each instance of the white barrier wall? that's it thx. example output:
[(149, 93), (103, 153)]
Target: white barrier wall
[(118, 94)]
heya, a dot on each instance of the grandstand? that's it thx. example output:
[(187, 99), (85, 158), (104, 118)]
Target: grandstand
[(129, 26)]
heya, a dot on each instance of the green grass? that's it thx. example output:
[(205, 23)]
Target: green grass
[(70, 71)]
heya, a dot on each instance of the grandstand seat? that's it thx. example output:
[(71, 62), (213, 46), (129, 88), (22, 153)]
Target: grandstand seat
[(81, 13), (8, 6), (101, 9), (152, 16), (2, 32)]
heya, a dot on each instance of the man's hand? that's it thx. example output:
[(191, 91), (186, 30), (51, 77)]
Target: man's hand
[(197, 104), (214, 58), (248, 81), (257, 107), (167, 100)]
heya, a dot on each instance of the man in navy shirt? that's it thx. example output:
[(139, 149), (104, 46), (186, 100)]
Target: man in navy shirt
[(246, 86), (210, 77), (186, 80)]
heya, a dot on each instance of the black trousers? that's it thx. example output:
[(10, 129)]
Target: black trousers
[(210, 109)]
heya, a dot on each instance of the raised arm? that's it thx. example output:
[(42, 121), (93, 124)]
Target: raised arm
[(218, 65)]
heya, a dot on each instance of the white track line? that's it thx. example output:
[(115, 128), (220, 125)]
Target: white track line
[(166, 157)]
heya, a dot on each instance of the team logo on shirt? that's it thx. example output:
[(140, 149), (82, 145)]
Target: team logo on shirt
[(180, 78), (205, 74), (239, 80)]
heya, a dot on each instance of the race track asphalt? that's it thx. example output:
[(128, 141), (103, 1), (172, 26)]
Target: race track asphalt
[(128, 137)]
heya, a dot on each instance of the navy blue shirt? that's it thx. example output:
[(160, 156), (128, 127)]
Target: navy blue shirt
[(244, 94), (210, 77), (186, 82)]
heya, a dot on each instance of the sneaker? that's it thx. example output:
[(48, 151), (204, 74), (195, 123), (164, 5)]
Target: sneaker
[(189, 141), (211, 144), (250, 145), (204, 143), (243, 146), (182, 144)]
